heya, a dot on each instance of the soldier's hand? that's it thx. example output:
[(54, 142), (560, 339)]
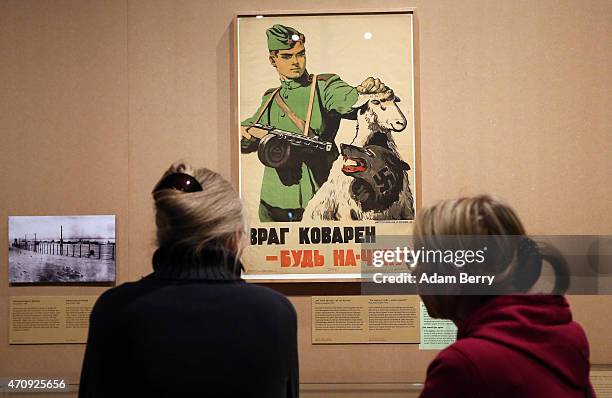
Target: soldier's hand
[(250, 132), (244, 132), (250, 138), (371, 85)]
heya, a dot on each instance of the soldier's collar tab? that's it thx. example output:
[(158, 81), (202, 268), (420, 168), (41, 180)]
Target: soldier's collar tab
[(303, 80)]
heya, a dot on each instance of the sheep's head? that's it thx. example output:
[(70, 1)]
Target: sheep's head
[(377, 104)]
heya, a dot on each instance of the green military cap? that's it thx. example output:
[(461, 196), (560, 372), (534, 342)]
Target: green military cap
[(283, 37)]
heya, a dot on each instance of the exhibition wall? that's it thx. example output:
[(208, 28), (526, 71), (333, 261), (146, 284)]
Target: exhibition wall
[(97, 98)]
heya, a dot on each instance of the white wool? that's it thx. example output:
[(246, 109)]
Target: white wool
[(333, 200)]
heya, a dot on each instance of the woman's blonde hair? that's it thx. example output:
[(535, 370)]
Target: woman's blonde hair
[(517, 261), (191, 222), (478, 215)]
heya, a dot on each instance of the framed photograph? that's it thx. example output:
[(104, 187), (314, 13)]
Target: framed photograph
[(327, 142), (62, 249)]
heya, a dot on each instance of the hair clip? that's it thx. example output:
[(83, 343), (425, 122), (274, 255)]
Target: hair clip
[(528, 248)]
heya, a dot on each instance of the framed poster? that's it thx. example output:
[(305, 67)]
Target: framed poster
[(326, 139)]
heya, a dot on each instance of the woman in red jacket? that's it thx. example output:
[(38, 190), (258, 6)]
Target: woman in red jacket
[(508, 345)]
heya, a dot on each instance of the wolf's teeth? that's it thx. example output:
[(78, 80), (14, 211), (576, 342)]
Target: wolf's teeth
[(350, 162)]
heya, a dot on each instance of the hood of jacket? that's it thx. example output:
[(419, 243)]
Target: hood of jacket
[(539, 326)]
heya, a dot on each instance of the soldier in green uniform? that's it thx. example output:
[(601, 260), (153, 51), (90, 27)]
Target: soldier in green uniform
[(299, 107)]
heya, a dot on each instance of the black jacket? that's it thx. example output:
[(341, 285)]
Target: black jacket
[(191, 330)]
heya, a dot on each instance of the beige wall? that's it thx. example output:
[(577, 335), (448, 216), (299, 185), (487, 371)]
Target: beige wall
[(98, 97)]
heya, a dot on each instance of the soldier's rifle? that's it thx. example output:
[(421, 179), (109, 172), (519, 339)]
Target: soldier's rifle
[(296, 139), (281, 148)]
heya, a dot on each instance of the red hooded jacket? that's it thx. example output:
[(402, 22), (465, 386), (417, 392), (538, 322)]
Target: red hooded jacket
[(523, 346)]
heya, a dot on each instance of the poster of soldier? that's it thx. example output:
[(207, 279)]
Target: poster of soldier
[(326, 139), (61, 249)]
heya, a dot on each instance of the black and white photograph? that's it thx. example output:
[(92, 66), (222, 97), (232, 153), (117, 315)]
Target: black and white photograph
[(61, 249)]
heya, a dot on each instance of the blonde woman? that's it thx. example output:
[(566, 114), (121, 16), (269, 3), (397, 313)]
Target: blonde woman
[(508, 345), (193, 327)]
